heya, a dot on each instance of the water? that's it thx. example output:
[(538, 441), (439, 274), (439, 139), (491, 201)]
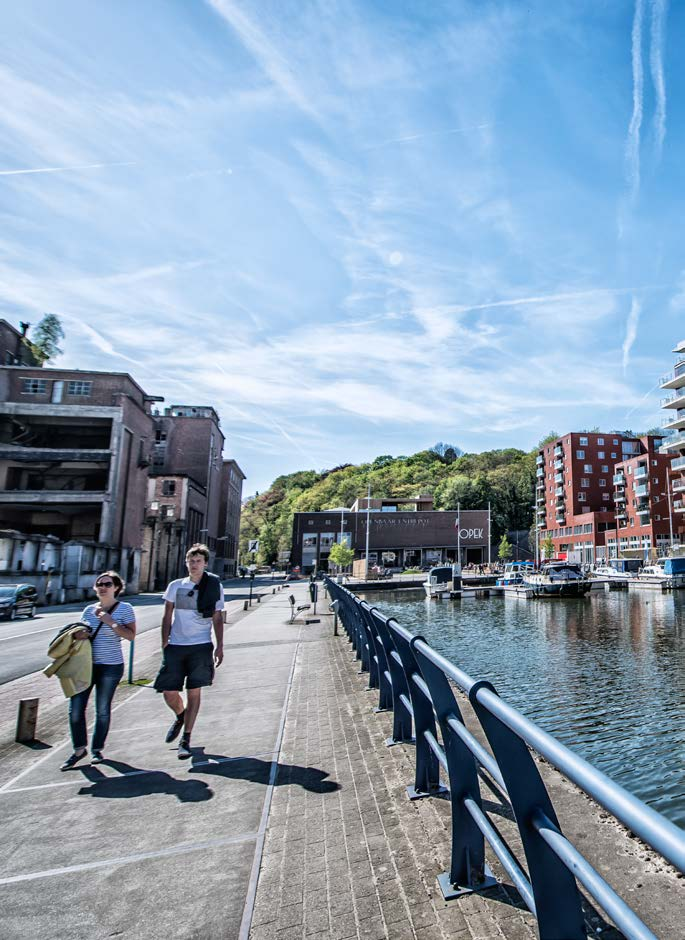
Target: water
[(605, 674)]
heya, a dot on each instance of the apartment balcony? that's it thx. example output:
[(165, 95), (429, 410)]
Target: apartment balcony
[(676, 400), (539, 460), (678, 486), (559, 491), (641, 491), (558, 451), (558, 477), (641, 472), (621, 514), (679, 506), (673, 442), (678, 463), (676, 378), (643, 510), (561, 518), (674, 422), (558, 464), (540, 485), (619, 497), (540, 499), (619, 480), (539, 472)]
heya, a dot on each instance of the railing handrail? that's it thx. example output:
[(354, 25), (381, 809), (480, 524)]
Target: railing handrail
[(554, 862)]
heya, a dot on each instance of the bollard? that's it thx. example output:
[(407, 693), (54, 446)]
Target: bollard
[(131, 654), (27, 717), (245, 605), (259, 598)]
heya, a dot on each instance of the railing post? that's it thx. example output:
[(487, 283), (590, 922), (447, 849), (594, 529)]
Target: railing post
[(468, 870), (384, 682), (401, 717), (427, 775), (367, 627), (557, 900)]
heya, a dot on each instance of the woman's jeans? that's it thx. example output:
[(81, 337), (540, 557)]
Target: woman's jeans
[(106, 678)]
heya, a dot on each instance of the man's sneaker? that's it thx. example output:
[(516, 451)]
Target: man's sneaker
[(97, 757), (175, 729), (184, 749), (73, 760)]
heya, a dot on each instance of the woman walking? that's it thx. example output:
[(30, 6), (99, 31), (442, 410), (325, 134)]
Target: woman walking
[(109, 621)]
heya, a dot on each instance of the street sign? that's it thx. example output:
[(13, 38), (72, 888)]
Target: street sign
[(253, 545)]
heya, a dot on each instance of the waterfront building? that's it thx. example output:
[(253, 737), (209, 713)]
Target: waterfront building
[(644, 522), (574, 494), (230, 508), (402, 534), (674, 442)]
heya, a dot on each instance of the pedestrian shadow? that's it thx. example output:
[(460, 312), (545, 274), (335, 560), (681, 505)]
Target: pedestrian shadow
[(135, 782), (259, 771)]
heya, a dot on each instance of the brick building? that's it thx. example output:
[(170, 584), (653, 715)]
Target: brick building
[(193, 495), (581, 495), (74, 453), (14, 350), (401, 534)]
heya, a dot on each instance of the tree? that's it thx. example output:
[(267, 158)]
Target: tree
[(504, 552), (45, 339), (547, 547), (341, 555)]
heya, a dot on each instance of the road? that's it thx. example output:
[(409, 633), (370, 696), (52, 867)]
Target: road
[(23, 643)]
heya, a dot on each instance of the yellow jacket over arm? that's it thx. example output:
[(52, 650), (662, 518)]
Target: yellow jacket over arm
[(73, 660)]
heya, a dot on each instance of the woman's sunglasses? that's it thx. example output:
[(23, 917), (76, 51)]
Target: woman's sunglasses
[(104, 584)]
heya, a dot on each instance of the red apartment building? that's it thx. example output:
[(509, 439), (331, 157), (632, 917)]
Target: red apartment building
[(575, 491), (644, 521)]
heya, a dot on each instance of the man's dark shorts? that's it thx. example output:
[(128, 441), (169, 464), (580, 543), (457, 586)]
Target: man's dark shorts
[(194, 664)]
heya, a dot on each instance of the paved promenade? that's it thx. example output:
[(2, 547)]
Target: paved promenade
[(290, 821)]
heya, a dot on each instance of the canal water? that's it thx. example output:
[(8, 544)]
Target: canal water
[(605, 674)]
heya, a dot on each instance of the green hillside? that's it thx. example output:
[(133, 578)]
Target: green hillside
[(505, 478)]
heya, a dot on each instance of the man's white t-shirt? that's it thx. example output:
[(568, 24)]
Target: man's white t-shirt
[(188, 626)]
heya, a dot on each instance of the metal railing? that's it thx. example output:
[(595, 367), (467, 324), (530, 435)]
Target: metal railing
[(416, 683)]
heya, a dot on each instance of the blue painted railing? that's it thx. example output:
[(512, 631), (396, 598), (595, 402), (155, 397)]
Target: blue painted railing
[(416, 683)]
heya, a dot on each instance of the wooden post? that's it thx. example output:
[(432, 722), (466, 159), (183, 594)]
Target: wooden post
[(27, 717)]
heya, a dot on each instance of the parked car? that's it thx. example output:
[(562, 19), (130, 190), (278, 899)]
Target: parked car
[(17, 599)]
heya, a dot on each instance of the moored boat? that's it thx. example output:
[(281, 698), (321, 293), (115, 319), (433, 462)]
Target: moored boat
[(511, 582), (443, 581), (666, 574), (558, 579)]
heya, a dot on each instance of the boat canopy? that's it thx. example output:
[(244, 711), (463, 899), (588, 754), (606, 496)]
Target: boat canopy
[(674, 565)]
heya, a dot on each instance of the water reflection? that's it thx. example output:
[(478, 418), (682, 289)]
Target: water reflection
[(605, 674)]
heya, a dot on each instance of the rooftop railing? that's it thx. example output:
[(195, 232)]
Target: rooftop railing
[(417, 684)]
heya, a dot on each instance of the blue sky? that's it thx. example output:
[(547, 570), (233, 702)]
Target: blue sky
[(355, 228)]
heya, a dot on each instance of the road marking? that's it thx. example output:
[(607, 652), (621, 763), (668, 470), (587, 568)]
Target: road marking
[(129, 859), (19, 636), (248, 910), (75, 780), (41, 760)]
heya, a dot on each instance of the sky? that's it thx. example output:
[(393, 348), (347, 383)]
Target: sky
[(354, 228)]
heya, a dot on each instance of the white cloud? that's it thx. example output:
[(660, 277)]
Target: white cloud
[(631, 331)]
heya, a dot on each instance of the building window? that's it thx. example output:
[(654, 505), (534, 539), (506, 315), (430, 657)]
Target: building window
[(600, 455), (580, 455), (615, 442), (605, 468), (79, 388), (581, 497), (602, 482), (160, 436), (34, 386), (587, 468), (605, 496), (583, 441), (600, 441), (168, 487), (655, 480), (613, 456), (584, 482)]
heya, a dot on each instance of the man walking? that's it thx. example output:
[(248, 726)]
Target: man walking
[(192, 606)]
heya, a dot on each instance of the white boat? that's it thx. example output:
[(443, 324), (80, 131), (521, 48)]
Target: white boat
[(558, 579), (511, 582), (443, 581), (608, 573), (666, 574)]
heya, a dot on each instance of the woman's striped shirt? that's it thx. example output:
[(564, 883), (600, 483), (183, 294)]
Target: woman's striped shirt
[(107, 644)]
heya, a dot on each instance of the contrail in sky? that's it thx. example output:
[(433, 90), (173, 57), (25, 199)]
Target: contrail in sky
[(633, 141), (404, 140), (631, 330), (656, 62), (62, 169)]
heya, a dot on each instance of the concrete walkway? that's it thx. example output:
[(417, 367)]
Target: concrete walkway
[(290, 821)]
